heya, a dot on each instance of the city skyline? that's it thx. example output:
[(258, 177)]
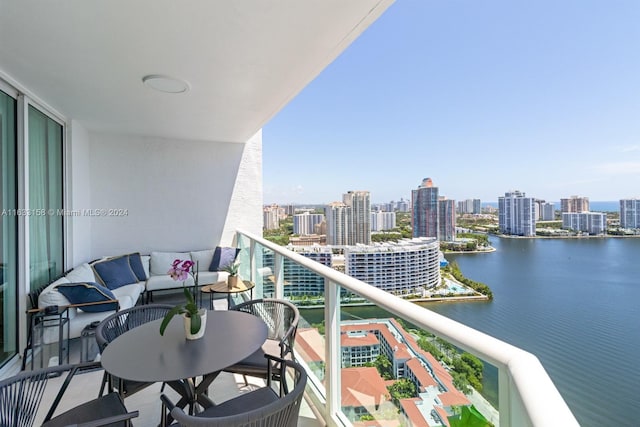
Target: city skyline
[(484, 98)]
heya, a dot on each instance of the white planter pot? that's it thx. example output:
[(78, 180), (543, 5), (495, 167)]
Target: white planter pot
[(203, 324)]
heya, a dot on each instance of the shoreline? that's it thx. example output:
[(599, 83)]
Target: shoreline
[(486, 251), (507, 236)]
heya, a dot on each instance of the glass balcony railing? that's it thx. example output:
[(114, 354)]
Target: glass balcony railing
[(373, 356)]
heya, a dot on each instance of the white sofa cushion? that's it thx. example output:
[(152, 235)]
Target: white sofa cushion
[(211, 277), (50, 296), (145, 264), (82, 273), (161, 261), (203, 258), (128, 295), (157, 282)]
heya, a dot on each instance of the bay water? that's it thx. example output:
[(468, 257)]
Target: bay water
[(574, 303)]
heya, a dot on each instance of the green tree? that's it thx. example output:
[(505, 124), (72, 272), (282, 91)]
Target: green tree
[(428, 346), (384, 367), (402, 389), (474, 363), (460, 382)]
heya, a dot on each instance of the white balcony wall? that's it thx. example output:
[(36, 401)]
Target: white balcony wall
[(178, 195), (78, 194)]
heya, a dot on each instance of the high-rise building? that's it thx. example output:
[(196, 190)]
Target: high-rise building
[(403, 267), (424, 215), (337, 216), (477, 207), (630, 213), (304, 223), (432, 216), (446, 220), (470, 206), (402, 205), (547, 211), (589, 222), (383, 221), (517, 214), (271, 217), (298, 280), (359, 230), (574, 204)]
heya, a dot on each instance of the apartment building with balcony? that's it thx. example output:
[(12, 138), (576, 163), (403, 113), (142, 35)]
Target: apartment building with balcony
[(630, 213), (547, 211), (574, 204), (517, 214), (358, 217), (469, 206), (299, 281), (305, 223), (405, 267), (271, 217), (594, 223), (383, 221), (424, 210)]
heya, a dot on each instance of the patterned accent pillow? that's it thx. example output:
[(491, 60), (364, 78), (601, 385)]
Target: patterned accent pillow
[(81, 293)]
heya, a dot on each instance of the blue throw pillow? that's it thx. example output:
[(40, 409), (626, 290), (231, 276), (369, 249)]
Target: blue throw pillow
[(223, 257), (115, 272), (135, 262), (80, 293)]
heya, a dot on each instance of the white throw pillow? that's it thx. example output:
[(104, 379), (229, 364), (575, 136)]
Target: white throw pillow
[(82, 273), (203, 259)]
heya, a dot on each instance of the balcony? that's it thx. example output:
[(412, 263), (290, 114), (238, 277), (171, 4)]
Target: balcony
[(525, 394), (186, 167)]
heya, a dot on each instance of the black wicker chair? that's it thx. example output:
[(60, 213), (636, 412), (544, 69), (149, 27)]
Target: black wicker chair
[(263, 407), (21, 395), (282, 318), (119, 323)]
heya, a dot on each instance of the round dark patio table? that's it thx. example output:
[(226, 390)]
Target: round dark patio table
[(142, 354)]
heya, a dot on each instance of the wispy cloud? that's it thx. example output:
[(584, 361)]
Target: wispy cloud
[(629, 148), (619, 168)]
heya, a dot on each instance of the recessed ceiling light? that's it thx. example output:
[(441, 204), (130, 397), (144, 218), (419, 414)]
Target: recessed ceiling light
[(165, 83)]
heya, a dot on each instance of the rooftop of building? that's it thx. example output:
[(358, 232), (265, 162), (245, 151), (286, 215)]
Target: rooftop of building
[(363, 387)]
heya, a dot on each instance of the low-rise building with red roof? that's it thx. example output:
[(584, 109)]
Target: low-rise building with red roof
[(364, 392)]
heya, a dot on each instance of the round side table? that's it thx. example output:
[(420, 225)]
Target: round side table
[(223, 288)]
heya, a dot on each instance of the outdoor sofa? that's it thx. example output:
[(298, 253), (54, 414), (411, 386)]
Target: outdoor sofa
[(128, 279)]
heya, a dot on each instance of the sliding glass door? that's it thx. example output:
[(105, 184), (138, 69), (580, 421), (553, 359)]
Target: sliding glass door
[(9, 229), (45, 199)]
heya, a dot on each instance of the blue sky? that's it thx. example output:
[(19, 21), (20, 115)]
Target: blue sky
[(482, 96)]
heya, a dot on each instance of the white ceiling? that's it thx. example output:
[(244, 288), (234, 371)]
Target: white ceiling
[(244, 59)]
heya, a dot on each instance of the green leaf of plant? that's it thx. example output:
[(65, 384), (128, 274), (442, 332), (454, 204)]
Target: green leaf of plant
[(167, 318), (195, 323)]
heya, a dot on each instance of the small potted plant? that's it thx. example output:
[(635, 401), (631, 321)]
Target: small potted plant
[(195, 318), (232, 269)]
